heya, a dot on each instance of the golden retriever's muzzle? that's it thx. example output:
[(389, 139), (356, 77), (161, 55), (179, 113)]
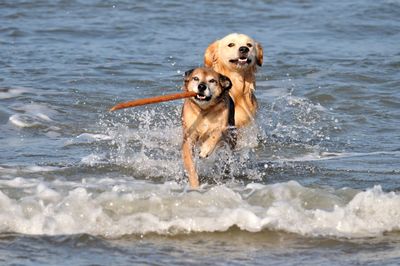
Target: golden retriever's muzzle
[(243, 57)]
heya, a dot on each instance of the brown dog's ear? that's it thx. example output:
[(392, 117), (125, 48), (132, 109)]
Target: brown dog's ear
[(225, 82), (186, 78), (260, 54), (210, 56), (188, 73)]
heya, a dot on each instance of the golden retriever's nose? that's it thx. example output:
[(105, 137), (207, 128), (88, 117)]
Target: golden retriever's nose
[(244, 49), (202, 87)]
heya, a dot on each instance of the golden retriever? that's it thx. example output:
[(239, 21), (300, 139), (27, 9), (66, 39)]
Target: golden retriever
[(206, 117), (237, 56)]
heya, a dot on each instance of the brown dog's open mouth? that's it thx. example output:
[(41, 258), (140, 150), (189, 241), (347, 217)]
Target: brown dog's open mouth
[(241, 61), (202, 97)]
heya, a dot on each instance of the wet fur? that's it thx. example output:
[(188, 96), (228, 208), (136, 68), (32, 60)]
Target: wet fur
[(218, 56), (205, 123)]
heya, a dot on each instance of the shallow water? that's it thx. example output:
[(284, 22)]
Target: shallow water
[(315, 181)]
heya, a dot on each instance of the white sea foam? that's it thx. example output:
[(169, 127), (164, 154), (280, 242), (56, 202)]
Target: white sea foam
[(116, 207), (320, 156), (93, 159), (88, 138), (6, 93), (32, 115), (22, 121), (27, 169)]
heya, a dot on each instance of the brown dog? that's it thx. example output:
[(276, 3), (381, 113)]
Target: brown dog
[(206, 117), (236, 56)]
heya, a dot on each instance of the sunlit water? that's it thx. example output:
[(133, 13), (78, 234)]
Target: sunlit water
[(314, 181)]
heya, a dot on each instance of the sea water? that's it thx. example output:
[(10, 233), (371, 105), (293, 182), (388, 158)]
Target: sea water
[(314, 181)]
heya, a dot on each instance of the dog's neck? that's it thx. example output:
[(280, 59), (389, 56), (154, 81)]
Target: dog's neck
[(218, 104), (245, 78)]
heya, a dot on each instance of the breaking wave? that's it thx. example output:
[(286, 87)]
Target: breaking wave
[(113, 208)]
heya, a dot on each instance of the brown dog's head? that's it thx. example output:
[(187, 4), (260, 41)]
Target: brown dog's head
[(235, 51), (208, 84)]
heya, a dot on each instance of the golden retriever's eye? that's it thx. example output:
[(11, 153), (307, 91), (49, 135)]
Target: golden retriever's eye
[(249, 45), (195, 78), (212, 81), (231, 44)]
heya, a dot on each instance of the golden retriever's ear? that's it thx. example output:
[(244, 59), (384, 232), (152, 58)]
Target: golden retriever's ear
[(225, 82), (210, 56), (260, 54), (186, 79)]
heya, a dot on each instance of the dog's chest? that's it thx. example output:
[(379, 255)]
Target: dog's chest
[(200, 124), (211, 124), (203, 125)]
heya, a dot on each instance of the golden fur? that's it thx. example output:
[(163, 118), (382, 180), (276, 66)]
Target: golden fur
[(237, 56), (204, 117)]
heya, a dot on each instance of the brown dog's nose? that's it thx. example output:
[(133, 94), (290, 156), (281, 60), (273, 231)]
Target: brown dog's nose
[(244, 49), (202, 87)]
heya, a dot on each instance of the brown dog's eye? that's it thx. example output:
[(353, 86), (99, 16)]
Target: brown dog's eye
[(249, 45), (212, 81), (195, 78), (231, 44)]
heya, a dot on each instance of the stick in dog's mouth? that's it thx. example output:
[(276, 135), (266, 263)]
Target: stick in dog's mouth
[(152, 100)]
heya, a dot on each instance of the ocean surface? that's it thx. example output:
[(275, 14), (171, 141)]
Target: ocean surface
[(316, 181)]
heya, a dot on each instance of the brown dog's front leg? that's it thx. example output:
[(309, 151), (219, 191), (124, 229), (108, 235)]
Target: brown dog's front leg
[(209, 144), (188, 163)]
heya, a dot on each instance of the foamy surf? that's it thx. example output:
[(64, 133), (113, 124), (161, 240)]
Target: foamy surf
[(115, 207), (7, 93), (324, 156), (32, 115)]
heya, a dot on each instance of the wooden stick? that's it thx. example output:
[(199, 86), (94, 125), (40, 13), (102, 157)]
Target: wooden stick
[(157, 99)]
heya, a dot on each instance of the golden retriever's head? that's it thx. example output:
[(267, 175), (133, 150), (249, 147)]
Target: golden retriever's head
[(209, 85), (235, 51)]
